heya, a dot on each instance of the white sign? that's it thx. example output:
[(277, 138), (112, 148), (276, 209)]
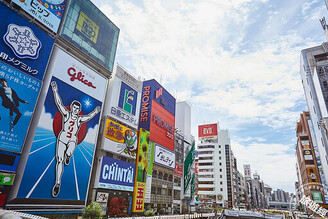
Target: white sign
[(164, 156), (74, 73), (102, 197)]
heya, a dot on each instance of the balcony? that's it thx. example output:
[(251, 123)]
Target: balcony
[(206, 185)]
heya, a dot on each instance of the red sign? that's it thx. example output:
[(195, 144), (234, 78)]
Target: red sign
[(162, 126), (209, 130), (178, 170), (196, 168)]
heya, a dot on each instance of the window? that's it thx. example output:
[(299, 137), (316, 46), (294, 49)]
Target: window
[(163, 191), (220, 176), (170, 177), (153, 190), (160, 175), (220, 164), (154, 173), (220, 170), (219, 152), (169, 192), (221, 183), (221, 190), (158, 191), (165, 176), (219, 158)]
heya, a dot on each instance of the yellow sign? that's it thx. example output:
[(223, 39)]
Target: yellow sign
[(87, 27), (115, 131), (138, 197)]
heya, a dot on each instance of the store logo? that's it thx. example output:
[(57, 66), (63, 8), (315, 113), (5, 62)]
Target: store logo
[(22, 41), (79, 76), (128, 99), (87, 27), (115, 173)]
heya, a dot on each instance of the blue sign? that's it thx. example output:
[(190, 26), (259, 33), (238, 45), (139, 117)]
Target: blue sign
[(23, 45), (116, 174), (153, 91), (18, 95), (128, 99)]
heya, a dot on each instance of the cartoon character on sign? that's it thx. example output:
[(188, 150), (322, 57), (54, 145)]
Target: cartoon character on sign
[(10, 100), (67, 139), (130, 140)]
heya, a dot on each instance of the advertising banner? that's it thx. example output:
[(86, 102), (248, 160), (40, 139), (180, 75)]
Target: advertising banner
[(120, 139), (116, 174), (187, 167), (48, 12), (196, 167), (247, 171), (66, 133), (141, 173), (164, 157), (208, 131), (24, 54), (124, 98), (149, 171), (91, 31), (192, 187), (178, 171), (6, 179), (312, 173), (317, 198)]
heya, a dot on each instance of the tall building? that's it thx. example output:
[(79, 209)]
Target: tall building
[(215, 166), (307, 168), (314, 75)]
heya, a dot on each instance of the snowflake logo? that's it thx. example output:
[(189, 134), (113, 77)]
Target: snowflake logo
[(22, 41)]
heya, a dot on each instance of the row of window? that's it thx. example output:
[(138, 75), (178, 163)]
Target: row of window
[(161, 191), (163, 176)]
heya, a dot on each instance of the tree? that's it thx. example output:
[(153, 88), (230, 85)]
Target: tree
[(93, 211)]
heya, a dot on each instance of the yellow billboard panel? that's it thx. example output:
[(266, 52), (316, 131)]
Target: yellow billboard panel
[(87, 27), (138, 197)]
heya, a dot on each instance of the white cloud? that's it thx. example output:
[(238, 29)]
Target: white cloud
[(28, 113), (45, 120)]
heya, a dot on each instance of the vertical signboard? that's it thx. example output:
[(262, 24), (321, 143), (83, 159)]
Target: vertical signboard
[(192, 187), (141, 172), (247, 171), (48, 12), (187, 167), (149, 171), (66, 133), (120, 139), (24, 54), (91, 31), (157, 113)]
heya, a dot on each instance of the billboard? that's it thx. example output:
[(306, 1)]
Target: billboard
[(124, 98), (66, 133), (116, 174), (48, 12), (162, 126), (178, 171), (24, 54), (149, 171), (141, 172), (91, 31), (247, 171), (152, 92), (120, 139), (187, 167), (164, 157), (208, 131)]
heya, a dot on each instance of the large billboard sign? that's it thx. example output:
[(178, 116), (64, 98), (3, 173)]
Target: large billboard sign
[(66, 133), (178, 171), (187, 167), (157, 113), (164, 157), (24, 54), (116, 174), (247, 171), (208, 131), (48, 12), (91, 31), (124, 98), (138, 203), (149, 171), (120, 139)]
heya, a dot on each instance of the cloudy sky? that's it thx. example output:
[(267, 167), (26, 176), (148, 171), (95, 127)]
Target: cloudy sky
[(235, 61)]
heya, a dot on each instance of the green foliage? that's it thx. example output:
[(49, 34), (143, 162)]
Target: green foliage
[(93, 210), (149, 213)]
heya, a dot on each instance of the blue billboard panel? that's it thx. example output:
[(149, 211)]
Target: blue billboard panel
[(19, 93), (91, 31), (128, 99), (116, 174), (48, 12), (61, 155), (153, 91), (23, 45)]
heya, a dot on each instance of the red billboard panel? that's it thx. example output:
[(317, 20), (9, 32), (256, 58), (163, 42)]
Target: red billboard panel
[(209, 130), (162, 126)]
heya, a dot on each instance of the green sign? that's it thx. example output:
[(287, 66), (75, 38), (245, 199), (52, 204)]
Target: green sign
[(192, 187), (187, 167), (317, 197), (6, 179), (150, 158)]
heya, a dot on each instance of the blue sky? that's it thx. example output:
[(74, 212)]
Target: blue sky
[(236, 62)]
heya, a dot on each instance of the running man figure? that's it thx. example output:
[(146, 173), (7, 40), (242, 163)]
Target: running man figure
[(67, 138)]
